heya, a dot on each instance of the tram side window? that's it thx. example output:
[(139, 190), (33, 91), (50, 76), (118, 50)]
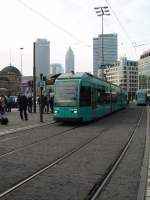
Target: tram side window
[(99, 96), (114, 97), (103, 99), (85, 96), (103, 96), (94, 98)]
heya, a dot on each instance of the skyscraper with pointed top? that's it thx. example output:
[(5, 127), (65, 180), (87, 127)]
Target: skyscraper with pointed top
[(69, 61)]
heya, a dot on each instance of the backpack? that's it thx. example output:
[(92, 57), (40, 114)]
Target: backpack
[(4, 121)]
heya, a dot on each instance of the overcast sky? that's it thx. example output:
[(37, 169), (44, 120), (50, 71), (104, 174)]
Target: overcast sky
[(21, 26)]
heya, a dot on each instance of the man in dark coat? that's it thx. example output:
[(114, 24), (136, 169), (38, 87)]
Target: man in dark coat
[(22, 103), (51, 103)]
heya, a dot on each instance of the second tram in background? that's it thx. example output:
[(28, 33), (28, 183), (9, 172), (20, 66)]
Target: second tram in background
[(84, 97), (142, 97)]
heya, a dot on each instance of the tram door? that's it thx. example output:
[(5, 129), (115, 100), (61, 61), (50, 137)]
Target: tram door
[(94, 98)]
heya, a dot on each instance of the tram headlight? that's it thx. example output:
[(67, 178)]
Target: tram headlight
[(55, 111), (75, 111)]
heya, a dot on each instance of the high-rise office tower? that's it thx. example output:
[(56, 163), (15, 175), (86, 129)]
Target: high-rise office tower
[(42, 57), (69, 61), (105, 54)]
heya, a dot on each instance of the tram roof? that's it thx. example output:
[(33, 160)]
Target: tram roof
[(83, 75), (141, 91), (75, 75)]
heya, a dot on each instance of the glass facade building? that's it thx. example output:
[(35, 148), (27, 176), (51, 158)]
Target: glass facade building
[(110, 51), (42, 57)]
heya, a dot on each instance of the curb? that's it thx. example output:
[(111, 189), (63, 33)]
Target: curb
[(10, 131), (145, 164)]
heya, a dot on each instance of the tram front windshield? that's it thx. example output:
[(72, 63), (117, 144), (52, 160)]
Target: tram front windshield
[(66, 93), (141, 95)]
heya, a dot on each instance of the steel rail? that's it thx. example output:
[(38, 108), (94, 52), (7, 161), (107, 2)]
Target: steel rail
[(35, 142), (55, 162), (99, 186)]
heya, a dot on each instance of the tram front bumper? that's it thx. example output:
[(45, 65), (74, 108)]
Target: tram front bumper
[(70, 114)]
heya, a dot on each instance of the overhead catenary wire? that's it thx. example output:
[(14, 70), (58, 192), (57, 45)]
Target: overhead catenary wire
[(139, 45), (53, 23), (124, 30), (134, 44)]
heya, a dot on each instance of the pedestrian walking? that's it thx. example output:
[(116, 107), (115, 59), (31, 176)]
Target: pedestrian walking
[(3, 118), (51, 102), (148, 100), (45, 104), (30, 104), (4, 102), (9, 104), (1, 108), (22, 103)]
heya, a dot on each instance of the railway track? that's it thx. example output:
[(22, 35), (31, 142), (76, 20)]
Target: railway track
[(98, 187), (55, 162), (36, 142)]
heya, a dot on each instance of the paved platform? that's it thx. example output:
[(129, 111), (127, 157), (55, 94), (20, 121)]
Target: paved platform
[(15, 123)]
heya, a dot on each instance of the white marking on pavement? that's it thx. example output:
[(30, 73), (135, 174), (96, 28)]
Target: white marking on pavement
[(5, 132)]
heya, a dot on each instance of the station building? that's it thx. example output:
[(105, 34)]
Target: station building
[(10, 79)]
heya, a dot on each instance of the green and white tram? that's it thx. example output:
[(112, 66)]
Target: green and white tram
[(141, 97), (84, 97)]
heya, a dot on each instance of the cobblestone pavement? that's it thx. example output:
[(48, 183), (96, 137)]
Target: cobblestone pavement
[(15, 123)]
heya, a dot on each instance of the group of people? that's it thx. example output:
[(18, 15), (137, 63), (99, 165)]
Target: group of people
[(47, 102), (6, 102), (5, 106), (25, 103)]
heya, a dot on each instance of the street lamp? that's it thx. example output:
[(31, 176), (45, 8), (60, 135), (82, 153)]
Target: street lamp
[(101, 11), (21, 88), (34, 78), (21, 49)]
